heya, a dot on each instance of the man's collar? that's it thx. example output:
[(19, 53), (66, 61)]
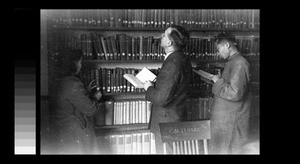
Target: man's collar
[(167, 54), (232, 56)]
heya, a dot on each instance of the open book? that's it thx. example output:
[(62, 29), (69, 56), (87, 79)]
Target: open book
[(143, 76), (204, 74)]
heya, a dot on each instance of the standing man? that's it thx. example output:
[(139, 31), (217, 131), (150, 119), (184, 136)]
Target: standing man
[(168, 95), (232, 99)]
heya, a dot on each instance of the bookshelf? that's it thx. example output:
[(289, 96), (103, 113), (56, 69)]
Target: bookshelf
[(93, 31)]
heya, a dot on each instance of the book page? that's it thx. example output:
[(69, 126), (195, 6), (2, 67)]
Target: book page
[(145, 75), (134, 80), (204, 74)]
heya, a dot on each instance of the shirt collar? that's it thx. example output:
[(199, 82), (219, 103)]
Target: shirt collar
[(232, 56), (167, 55)]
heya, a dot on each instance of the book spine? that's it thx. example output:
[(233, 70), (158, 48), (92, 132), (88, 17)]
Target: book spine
[(140, 109), (121, 144), (134, 143), (148, 108), (139, 143), (103, 43), (144, 116), (128, 142), (146, 143), (152, 144), (137, 111), (114, 143)]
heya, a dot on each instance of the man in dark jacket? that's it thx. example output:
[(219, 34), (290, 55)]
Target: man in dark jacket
[(72, 111), (168, 95), (232, 95)]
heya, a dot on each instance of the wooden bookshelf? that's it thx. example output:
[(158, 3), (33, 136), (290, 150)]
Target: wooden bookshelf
[(106, 130), (139, 64)]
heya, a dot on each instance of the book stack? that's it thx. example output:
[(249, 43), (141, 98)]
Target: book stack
[(131, 112), (123, 112), (134, 143), (156, 18)]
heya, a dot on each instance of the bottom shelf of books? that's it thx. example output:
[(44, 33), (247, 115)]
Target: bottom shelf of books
[(143, 142), (134, 137)]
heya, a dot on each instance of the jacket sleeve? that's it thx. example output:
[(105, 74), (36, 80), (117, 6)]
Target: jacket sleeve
[(235, 89), (81, 101), (162, 93)]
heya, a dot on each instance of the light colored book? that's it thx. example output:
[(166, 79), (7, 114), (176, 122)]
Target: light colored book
[(113, 141), (128, 144), (139, 143), (148, 111), (204, 74), (143, 76), (146, 143), (134, 143), (120, 144), (152, 144)]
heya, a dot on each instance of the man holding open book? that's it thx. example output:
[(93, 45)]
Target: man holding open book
[(232, 96), (168, 95)]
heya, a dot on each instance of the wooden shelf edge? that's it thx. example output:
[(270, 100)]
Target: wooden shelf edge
[(124, 96), (127, 128)]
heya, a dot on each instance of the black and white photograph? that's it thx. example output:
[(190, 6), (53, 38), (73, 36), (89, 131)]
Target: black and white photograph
[(149, 82)]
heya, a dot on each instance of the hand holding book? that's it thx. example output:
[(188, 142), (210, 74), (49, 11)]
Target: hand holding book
[(139, 80), (147, 84), (215, 78), (205, 76)]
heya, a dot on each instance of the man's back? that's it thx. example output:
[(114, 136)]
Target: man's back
[(169, 94)]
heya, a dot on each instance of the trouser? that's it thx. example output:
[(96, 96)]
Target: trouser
[(229, 132)]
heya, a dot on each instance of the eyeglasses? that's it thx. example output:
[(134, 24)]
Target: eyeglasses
[(217, 48)]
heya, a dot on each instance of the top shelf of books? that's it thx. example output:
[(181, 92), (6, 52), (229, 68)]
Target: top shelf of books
[(154, 19), (153, 29)]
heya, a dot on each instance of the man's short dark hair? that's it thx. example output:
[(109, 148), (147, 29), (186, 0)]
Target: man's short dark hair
[(70, 57), (179, 35), (225, 37)]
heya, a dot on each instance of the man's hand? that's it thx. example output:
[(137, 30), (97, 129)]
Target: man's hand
[(92, 85), (215, 78), (147, 84), (97, 95)]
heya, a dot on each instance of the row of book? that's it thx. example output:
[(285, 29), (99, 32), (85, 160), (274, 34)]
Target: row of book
[(155, 18), (144, 143), (125, 47), (134, 143), (139, 111), (111, 80), (124, 112), (128, 112)]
